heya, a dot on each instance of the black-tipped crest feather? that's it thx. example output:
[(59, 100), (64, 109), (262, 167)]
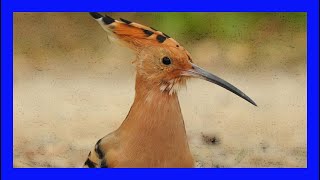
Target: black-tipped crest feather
[(125, 21), (107, 20), (95, 15)]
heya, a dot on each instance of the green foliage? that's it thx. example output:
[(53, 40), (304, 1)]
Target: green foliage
[(222, 26)]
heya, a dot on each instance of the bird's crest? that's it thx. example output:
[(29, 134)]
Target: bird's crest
[(133, 34)]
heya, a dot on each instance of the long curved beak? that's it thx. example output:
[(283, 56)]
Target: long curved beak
[(198, 72)]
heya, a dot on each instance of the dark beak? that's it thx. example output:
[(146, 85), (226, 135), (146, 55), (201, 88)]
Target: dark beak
[(198, 72)]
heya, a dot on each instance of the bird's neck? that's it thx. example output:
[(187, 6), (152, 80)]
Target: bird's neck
[(154, 116)]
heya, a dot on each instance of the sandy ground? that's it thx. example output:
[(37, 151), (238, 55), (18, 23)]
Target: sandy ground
[(64, 103), (57, 120)]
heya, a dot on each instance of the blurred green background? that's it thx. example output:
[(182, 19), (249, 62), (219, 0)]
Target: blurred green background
[(263, 37), (227, 26)]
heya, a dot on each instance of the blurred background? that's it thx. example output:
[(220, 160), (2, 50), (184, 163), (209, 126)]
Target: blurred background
[(72, 86)]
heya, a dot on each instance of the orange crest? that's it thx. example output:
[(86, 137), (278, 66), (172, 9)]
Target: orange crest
[(135, 35)]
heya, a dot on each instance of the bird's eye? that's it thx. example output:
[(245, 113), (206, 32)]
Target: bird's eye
[(166, 60)]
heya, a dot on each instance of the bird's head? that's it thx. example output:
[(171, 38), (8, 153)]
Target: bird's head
[(160, 60)]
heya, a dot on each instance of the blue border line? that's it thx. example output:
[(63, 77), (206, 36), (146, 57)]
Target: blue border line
[(313, 88), (7, 9)]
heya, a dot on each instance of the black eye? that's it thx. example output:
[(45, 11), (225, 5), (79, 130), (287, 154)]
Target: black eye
[(166, 60)]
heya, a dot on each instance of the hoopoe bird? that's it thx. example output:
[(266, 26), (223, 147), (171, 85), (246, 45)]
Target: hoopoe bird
[(153, 134)]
